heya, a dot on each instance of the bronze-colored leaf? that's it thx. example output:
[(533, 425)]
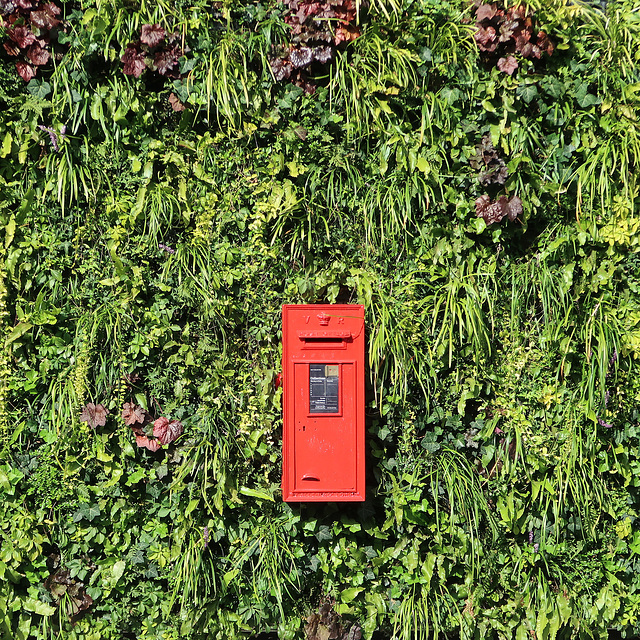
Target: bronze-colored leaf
[(167, 430), (61, 585), (148, 443), (95, 415), (21, 36), (11, 48), (134, 63), (132, 414), (492, 212), (38, 55), (175, 103), (166, 59), (545, 43), (485, 12), (508, 65), (152, 34)]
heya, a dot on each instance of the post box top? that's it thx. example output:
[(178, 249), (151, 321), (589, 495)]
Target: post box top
[(327, 308), (324, 321)]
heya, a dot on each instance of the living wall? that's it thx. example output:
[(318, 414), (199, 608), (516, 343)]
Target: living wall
[(173, 172)]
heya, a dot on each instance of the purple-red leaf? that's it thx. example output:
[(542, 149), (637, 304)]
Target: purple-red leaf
[(148, 443), (300, 57), (281, 68), (492, 212), (485, 37), (132, 414), (485, 12), (45, 18), (52, 9), (38, 55), (165, 59), (499, 30), (11, 48), (25, 71), (95, 415), (133, 61), (508, 65), (495, 174), (152, 34), (21, 36), (167, 430), (508, 30), (514, 207), (522, 37), (322, 54)]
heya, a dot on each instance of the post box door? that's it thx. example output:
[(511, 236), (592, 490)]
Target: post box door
[(324, 419)]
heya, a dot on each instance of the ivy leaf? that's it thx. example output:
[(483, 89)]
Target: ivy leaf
[(527, 92), (148, 443), (152, 34), (167, 430), (132, 413), (584, 98), (429, 446), (553, 87), (86, 511), (94, 415), (133, 61), (41, 89)]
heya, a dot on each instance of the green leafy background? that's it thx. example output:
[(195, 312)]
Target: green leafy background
[(146, 261)]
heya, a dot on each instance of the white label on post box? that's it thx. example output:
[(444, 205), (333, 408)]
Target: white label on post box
[(323, 388)]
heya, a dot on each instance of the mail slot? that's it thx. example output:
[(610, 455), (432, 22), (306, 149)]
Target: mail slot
[(323, 385)]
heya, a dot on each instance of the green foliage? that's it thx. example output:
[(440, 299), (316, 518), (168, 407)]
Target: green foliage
[(157, 212)]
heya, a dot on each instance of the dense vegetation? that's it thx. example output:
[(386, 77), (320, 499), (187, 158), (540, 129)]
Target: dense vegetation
[(173, 172)]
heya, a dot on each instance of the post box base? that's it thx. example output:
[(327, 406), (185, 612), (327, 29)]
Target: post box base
[(324, 496)]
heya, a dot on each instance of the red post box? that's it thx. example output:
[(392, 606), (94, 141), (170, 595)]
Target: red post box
[(323, 390)]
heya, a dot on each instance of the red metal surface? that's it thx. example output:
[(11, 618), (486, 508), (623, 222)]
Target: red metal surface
[(323, 391)]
